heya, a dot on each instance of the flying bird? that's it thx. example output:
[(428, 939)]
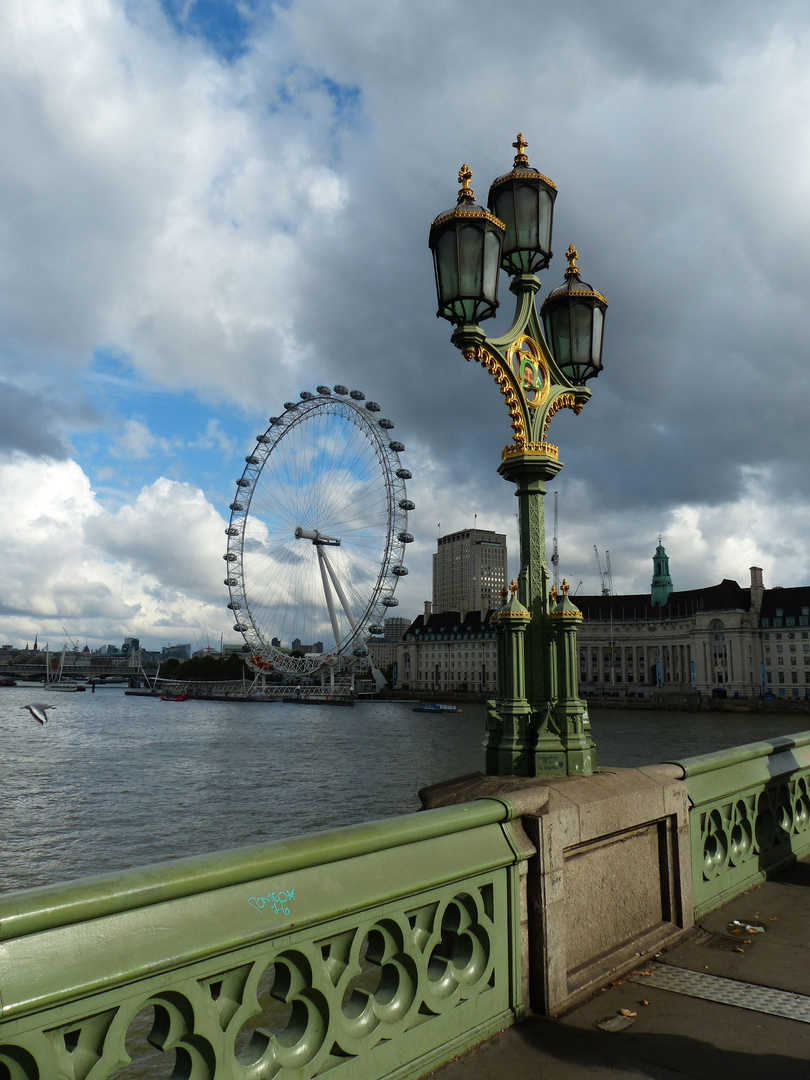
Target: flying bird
[(39, 712)]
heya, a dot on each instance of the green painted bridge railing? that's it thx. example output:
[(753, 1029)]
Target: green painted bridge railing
[(371, 951), (750, 815)]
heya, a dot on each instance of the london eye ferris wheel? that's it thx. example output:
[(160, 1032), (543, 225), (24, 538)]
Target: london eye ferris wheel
[(317, 534)]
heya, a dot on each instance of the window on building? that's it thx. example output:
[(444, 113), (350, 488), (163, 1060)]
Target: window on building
[(766, 622), (790, 621)]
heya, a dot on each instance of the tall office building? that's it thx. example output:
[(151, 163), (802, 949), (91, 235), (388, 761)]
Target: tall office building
[(469, 571)]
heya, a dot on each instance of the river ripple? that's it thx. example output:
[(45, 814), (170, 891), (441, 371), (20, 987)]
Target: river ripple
[(115, 781)]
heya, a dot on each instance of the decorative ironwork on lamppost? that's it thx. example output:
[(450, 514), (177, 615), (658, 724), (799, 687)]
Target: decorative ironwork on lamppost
[(537, 726)]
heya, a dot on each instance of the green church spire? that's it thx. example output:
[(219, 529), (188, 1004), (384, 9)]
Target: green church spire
[(661, 583)]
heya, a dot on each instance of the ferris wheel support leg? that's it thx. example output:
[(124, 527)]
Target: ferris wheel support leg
[(339, 590), (330, 604)]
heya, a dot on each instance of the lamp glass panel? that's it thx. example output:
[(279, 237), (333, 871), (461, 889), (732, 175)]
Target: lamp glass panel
[(560, 335), (470, 260), (598, 331), (544, 212), (446, 266), (526, 214), (504, 208), (581, 329), (492, 261)]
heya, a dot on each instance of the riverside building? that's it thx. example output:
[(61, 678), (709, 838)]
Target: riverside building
[(449, 651), (469, 571), (724, 640)]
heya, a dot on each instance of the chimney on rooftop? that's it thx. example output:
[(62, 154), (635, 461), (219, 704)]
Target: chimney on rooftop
[(757, 589)]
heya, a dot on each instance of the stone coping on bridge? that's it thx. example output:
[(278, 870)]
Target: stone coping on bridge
[(611, 882), (29, 911)]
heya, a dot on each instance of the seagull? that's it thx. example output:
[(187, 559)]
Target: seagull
[(39, 712)]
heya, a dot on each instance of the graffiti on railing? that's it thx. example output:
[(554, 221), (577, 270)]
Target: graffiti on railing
[(276, 901)]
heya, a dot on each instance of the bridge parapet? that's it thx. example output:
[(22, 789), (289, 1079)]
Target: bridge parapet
[(750, 814), (384, 948)]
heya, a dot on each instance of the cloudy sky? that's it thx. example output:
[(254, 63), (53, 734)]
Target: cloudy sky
[(209, 206)]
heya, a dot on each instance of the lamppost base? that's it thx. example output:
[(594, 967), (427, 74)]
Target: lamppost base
[(506, 746), (550, 764), (581, 762), (519, 742)]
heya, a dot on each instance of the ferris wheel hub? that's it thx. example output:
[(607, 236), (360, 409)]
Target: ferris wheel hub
[(316, 537)]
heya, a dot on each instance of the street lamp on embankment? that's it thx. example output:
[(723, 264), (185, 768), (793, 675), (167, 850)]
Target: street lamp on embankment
[(537, 726)]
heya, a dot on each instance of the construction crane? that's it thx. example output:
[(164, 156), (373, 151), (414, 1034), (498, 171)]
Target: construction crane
[(555, 555), (605, 574), (73, 644)]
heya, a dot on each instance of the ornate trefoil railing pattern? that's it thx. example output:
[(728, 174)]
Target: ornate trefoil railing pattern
[(750, 815), (374, 951)]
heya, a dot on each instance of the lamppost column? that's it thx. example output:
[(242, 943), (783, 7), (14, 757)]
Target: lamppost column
[(507, 746), (530, 474), (570, 713)]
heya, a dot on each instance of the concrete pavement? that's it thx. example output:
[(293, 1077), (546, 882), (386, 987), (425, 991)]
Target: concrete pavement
[(754, 945)]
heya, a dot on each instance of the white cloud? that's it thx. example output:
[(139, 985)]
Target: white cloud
[(149, 570), (137, 441)]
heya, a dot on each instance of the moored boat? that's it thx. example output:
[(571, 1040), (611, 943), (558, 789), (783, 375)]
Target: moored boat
[(437, 707)]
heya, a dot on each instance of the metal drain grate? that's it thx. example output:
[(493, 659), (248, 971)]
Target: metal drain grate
[(761, 999)]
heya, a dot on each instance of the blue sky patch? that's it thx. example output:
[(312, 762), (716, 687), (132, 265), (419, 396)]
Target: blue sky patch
[(223, 24)]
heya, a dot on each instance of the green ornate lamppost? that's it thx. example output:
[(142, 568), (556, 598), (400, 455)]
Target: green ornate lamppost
[(537, 726)]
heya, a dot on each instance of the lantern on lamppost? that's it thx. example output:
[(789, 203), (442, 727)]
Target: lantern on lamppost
[(466, 244), (574, 321), (544, 729)]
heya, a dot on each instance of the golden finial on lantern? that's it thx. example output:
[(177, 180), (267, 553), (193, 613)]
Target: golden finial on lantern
[(464, 178), (520, 145)]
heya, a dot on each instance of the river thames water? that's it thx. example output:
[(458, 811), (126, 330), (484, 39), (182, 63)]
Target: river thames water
[(114, 781)]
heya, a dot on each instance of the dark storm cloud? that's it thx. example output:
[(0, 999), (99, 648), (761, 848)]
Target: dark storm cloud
[(30, 423)]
